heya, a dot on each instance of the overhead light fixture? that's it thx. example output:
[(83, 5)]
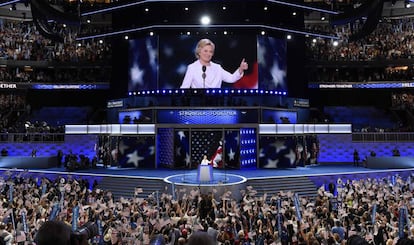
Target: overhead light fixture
[(265, 27), (205, 20)]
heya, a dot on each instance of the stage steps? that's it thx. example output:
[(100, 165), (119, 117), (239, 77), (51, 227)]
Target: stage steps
[(301, 185), (125, 187)]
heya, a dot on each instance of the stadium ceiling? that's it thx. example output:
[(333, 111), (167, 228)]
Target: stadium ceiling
[(136, 17)]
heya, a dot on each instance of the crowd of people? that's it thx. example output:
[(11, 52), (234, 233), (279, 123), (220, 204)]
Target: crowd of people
[(364, 211), (391, 40), (20, 40)]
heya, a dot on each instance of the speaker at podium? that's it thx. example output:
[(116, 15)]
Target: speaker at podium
[(205, 171)]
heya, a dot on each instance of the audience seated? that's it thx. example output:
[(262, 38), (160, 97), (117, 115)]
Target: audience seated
[(391, 40), (21, 41)]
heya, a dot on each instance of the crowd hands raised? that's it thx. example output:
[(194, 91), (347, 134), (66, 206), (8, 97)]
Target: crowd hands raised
[(343, 214)]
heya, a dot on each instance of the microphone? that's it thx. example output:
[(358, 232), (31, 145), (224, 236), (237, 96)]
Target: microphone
[(204, 75)]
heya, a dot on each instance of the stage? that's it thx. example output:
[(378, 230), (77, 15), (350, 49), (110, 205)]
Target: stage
[(303, 180)]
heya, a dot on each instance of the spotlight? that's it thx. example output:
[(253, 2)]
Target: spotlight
[(407, 4), (13, 7), (205, 20)]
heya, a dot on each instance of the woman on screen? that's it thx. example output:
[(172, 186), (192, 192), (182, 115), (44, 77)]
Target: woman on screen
[(203, 73)]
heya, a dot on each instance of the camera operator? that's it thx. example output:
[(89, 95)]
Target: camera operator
[(58, 232)]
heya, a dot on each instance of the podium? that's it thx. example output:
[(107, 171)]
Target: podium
[(205, 173)]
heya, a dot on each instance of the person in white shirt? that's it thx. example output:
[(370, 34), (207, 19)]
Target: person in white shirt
[(205, 161), (203, 73)]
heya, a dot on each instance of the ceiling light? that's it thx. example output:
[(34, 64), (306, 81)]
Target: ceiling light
[(205, 20)]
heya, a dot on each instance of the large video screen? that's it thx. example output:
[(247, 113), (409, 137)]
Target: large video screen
[(161, 62)]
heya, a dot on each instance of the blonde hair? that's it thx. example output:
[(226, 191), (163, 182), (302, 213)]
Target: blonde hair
[(201, 44)]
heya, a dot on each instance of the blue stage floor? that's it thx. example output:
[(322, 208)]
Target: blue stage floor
[(315, 170)]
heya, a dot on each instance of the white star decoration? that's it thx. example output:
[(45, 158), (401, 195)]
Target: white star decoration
[(291, 156), (181, 134), (261, 153), (231, 154), (271, 163), (187, 160), (134, 158), (278, 75), (152, 53), (136, 75)]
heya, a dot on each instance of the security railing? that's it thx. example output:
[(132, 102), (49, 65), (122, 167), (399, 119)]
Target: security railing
[(32, 137), (383, 137)]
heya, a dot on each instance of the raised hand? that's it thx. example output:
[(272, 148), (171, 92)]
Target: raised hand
[(243, 66)]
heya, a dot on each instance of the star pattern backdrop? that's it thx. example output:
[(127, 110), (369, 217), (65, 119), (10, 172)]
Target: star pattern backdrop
[(182, 148), (248, 148), (288, 151), (232, 149), (165, 146), (136, 151), (143, 64), (277, 152), (271, 56), (190, 146), (204, 142)]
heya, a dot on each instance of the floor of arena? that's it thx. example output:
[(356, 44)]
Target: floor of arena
[(311, 170)]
